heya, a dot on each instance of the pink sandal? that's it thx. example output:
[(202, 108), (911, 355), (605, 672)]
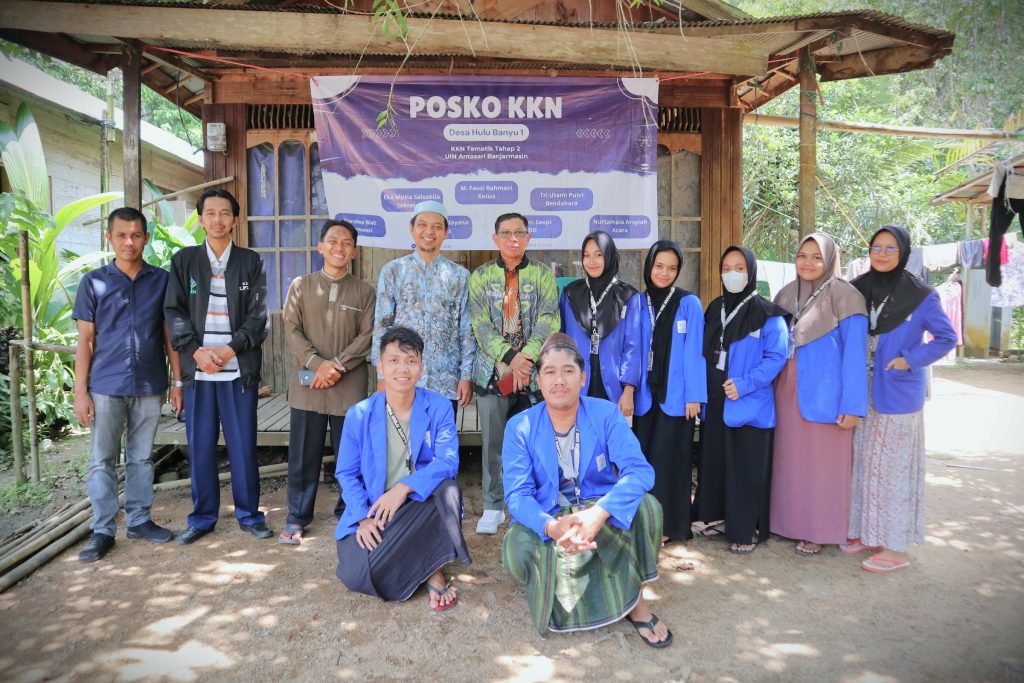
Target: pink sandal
[(879, 564), (854, 546)]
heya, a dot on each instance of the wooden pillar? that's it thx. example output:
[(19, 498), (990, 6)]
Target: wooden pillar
[(230, 163), (806, 180), (131, 66), (721, 192)]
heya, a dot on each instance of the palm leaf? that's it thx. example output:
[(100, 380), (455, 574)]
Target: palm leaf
[(22, 152)]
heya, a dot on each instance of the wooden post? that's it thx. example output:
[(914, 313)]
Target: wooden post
[(26, 320), (17, 445), (131, 66), (808, 144), (106, 137)]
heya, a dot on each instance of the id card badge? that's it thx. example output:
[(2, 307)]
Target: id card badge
[(650, 360), (721, 360), (791, 347), (595, 344)]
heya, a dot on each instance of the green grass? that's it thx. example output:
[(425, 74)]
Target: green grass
[(27, 495)]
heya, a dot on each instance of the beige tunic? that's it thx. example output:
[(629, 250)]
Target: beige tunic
[(318, 329)]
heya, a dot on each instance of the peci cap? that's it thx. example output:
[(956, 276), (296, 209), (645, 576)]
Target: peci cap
[(431, 206)]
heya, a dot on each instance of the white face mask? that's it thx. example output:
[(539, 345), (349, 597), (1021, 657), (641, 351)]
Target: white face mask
[(734, 281)]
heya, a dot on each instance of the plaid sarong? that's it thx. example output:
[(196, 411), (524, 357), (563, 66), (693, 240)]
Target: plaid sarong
[(592, 589)]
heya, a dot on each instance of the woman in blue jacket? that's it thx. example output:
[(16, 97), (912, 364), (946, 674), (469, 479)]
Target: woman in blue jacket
[(602, 314), (887, 513), (819, 398), (673, 384), (744, 350)]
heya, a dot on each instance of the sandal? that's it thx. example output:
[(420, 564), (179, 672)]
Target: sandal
[(713, 530), (291, 534), (439, 592), (804, 548), (737, 548), (854, 546), (649, 625), (880, 564)]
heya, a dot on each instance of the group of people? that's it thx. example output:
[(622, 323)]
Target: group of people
[(809, 408)]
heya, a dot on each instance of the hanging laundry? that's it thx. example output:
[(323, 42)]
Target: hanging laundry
[(972, 254), (1003, 211), (939, 256), (1011, 291), (951, 297), (1004, 255), (857, 267), (915, 266), (776, 274)]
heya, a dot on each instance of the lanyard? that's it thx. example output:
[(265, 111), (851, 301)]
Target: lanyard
[(654, 320), (401, 435), (726, 321), (573, 461), (595, 339), (811, 298), (875, 312)]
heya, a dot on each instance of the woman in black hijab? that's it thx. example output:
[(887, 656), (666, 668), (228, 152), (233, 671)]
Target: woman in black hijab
[(602, 315), (745, 343), (673, 385), (887, 511)]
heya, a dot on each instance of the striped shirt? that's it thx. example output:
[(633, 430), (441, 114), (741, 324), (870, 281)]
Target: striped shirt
[(218, 325)]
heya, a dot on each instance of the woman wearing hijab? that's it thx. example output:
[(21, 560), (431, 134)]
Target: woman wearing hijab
[(887, 512), (673, 384), (744, 349), (602, 314), (820, 396)]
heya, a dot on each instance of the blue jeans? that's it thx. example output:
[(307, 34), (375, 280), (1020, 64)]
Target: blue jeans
[(114, 414)]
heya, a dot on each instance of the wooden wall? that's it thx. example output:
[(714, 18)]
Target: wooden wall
[(220, 165), (721, 192)]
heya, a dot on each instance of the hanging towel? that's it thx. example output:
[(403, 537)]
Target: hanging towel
[(939, 256)]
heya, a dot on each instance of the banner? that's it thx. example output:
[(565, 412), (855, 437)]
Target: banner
[(573, 155)]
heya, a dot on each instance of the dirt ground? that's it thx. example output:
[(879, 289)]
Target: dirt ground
[(231, 608)]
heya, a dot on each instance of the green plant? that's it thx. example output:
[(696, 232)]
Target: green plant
[(165, 238), (30, 494)]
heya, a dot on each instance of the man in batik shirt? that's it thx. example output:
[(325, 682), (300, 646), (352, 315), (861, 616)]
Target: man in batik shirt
[(427, 293)]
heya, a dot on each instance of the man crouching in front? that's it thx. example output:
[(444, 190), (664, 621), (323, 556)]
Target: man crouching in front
[(397, 464), (586, 534)]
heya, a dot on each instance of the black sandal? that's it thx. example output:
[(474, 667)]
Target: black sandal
[(649, 625)]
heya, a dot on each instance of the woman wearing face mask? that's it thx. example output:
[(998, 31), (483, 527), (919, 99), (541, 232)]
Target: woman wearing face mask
[(819, 398), (745, 341), (602, 314), (887, 513), (674, 384)]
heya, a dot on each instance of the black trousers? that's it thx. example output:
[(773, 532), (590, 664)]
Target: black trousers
[(1002, 217), (305, 462)]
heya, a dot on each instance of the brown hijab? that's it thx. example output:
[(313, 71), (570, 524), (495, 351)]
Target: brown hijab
[(836, 300)]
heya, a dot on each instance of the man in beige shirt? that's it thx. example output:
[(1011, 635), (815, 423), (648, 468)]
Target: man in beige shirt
[(328, 322)]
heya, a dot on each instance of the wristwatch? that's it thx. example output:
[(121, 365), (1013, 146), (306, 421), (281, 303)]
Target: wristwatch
[(177, 383)]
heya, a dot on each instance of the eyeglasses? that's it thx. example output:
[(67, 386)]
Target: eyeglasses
[(878, 249), (506, 235)]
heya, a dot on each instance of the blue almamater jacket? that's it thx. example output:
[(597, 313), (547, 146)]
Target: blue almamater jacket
[(687, 373), (753, 363), (612, 467), (903, 391), (362, 462), (620, 351), (830, 379)]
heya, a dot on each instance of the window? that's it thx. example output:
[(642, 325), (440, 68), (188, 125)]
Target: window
[(286, 206)]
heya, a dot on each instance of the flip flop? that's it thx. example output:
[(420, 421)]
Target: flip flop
[(439, 592), (649, 625), (802, 549), (740, 551), (853, 547), (713, 531), (291, 534), (879, 564)]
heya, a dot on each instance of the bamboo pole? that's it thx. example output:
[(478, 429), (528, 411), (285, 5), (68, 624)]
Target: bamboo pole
[(39, 346), (756, 119), (806, 185), (17, 441), (30, 383), (265, 471), (29, 549), (42, 557), (172, 195)]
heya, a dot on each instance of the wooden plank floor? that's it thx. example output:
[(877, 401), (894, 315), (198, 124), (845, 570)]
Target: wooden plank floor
[(273, 423)]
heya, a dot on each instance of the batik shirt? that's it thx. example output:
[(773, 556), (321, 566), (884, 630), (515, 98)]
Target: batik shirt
[(432, 301)]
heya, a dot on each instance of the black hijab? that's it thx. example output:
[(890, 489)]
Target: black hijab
[(905, 291), (661, 340), (609, 312), (751, 317)]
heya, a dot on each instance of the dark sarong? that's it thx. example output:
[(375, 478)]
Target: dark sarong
[(419, 540), (592, 589), (667, 443)]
